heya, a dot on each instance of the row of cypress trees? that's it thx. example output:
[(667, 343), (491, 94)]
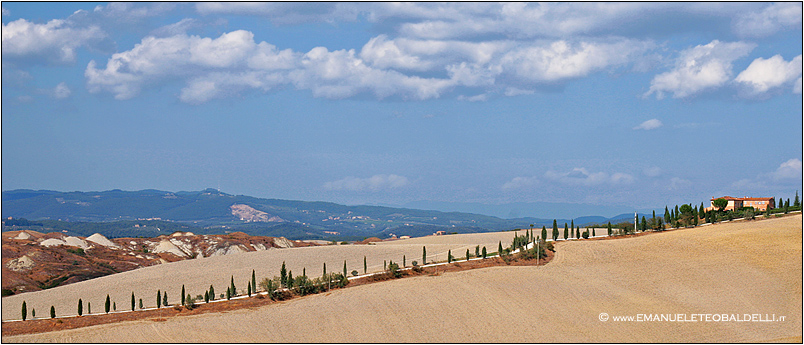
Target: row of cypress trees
[(286, 279)]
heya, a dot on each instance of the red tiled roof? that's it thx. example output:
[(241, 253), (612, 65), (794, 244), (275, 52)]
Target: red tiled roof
[(743, 199)]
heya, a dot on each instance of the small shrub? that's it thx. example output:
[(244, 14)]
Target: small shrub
[(393, 268), (585, 234), (189, 302), (354, 273)]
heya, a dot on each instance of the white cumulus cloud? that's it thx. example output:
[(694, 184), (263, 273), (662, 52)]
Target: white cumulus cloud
[(764, 75), (562, 59), (374, 183), (789, 170), (698, 69), (786, 175), (764, 22), (53, 42), (214, 68), (649, 124)]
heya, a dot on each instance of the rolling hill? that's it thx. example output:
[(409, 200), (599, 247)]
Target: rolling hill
[(118, 213)]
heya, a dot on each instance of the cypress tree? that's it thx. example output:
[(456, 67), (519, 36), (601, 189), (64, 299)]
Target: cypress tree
[(365, 267), (158, 299), (232, 286), (89, 308), (140, 301), (424, 255), (24, 311), (787, 206), (796, 201), (114, 306), (182, 294), (572, 224), (228, 293), (593, 231), (283, 275), (384, 268), (33, 312), (677, 214), (666, 215), (249, 290), (133, 301), (206, 296), (555, 230), (211, 293), (477, 251), (290, 279), (608, 227), (566, 233), (107, 305), (544, 232), (344, 268), (780, 204), (404, 261), (52, 312), (164, 299), (253, 281), (499, 249), (467, 254), (484, 252), (449, 256), (701, 212), (80, 307), (644, 224)]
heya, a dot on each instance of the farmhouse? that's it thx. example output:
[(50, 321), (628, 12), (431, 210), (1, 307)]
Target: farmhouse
[(736, 203)]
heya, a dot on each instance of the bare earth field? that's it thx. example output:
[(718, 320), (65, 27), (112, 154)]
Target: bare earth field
[(734, 268)]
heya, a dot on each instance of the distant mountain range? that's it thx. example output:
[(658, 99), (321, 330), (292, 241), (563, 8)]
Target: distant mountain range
[(150, 213)]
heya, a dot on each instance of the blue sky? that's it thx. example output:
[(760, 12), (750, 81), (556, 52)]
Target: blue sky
[(619, 106)]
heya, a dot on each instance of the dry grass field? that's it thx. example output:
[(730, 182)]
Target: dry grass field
[(733, 268), (198, 274)]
